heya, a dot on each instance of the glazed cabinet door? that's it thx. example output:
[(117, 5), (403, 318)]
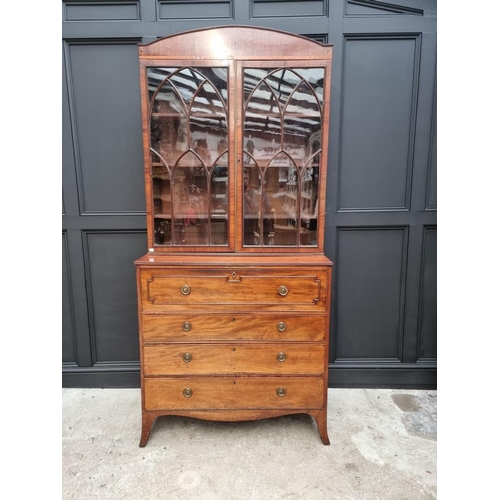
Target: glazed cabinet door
[(284, 133), (187, 134)]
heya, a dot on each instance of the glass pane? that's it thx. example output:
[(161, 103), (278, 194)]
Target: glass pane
[(315, 78), (301, 137), (161, 194), (269, 205), (302, 101), (219, 194), (263, 101), (168, 100), (283, 84), (208, 101), (168, 128), (281, 177), (190, 202), (309, 202), (169, 136), (186, 81), (206, 136), (157, 77), (251, 79), (162, 201), (262, 137), (218, 231), (218, 78), (163, 231), (251, 204)]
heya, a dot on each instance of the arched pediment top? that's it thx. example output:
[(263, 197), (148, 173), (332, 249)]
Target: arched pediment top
[(235, 42)]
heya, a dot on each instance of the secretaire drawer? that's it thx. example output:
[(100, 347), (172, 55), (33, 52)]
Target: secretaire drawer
[(201, 327), (171, 289), (203, 393), (224, 359)]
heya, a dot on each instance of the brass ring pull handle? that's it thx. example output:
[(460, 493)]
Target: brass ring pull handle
[(281, 326), (281, 357), (185, 290), (280, 391), (186, 357), (187, 392), (283, 290), (186, 326)]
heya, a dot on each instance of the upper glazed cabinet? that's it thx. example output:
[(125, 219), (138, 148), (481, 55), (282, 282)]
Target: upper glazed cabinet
[(235, 129)]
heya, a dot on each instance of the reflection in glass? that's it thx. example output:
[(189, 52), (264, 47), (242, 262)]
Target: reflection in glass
[(189, 150), (301, 137), (309, 201), (168, 128), (162, 200), (188, 80), (262, 136), (219, 193), (283, 84), (206, 136), (252, 79), (281, 154), (303, 101), (258, 212), (263, 101), (282, 171), (207, 101), (315, 79)]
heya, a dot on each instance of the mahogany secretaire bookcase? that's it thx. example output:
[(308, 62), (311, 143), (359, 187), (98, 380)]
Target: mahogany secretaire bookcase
[(234, 291)]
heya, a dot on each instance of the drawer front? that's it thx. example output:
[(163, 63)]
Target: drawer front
[(225, 359), (204, 393), (174, 289), (193, 328)]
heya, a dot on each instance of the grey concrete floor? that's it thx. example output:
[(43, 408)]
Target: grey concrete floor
[(383, 446)]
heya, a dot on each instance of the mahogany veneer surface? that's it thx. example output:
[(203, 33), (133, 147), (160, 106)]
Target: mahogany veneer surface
[(231, 329)]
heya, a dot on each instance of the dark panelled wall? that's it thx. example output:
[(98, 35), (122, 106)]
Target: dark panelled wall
[(381, 230)]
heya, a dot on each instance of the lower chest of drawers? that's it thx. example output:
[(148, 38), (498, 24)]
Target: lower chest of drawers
[(233, 344)]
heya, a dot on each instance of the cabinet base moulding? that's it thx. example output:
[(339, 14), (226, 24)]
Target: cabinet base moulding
[(149, 417)]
